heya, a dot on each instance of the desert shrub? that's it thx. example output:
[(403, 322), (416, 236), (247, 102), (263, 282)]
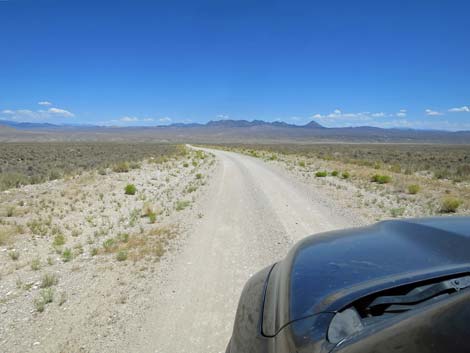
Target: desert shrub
[(134, 165), (450, 204), (109, 245), (6, 234), (94, 251), (49, 280), (10, 180), (47, 295), (185, 164), (35, 264), (381, 179), (413, 189), (10, 211), (198, 176), (334, 173), (302, 164), (121, 255), (39, 305), (130, 189), (122, 167), (397, 212), (321, 174), (59, 240), (182, 204), (67, 255), (345, 175), (152, 217), (14, 254)]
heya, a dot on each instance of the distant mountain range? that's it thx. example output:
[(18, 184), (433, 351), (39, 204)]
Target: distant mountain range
[(225, 131)]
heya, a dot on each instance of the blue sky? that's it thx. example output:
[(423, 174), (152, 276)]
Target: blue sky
[(381, 63)]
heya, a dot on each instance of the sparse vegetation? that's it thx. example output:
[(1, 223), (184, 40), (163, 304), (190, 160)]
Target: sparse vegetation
[(14, 255), (35, 264), (121, 255), (321, 174), (33, 163), (7, 234), (122, 167), (59, 240), (334, 173), (49, 280), (345, 175), (182, 204)]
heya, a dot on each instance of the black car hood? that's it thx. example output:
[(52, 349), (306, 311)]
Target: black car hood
[(326, 272)]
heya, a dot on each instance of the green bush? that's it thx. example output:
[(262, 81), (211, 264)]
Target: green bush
[(67, 255), (59, 240), (345, 175), (381, 179), (121, 255), (321, 174), (130, 189), (152, 217), (397, 212), (301, 163), (413, 189), (450, 204), (334, 173), (108, 244)]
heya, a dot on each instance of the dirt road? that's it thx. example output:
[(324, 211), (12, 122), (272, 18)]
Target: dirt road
[(251, 217)]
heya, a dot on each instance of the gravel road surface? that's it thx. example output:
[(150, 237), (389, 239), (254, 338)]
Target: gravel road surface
[(252, 215)]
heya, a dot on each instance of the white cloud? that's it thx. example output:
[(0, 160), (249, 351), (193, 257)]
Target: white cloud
[(465, 109), (401, 113), (165, 119), (45, 103), (60, 112), (26, 114), (128, 119), (431, 112), (378, 115), (223, 117)]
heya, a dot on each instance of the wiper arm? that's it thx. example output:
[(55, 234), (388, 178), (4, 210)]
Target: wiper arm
[(413, 297)]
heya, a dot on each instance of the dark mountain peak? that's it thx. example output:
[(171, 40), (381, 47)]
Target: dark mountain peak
[(314, 125)]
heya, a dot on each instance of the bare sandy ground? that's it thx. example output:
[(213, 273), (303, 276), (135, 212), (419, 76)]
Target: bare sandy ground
[(253, 213)]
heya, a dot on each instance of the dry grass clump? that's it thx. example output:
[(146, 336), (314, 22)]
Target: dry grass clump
[(7, 234), (122, 167), (413, 189), (150, 244)]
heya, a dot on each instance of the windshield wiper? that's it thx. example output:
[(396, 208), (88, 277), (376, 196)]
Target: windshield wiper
[(420, 294)]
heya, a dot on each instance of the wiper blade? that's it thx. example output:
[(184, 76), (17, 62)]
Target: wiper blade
[(455, 284)]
